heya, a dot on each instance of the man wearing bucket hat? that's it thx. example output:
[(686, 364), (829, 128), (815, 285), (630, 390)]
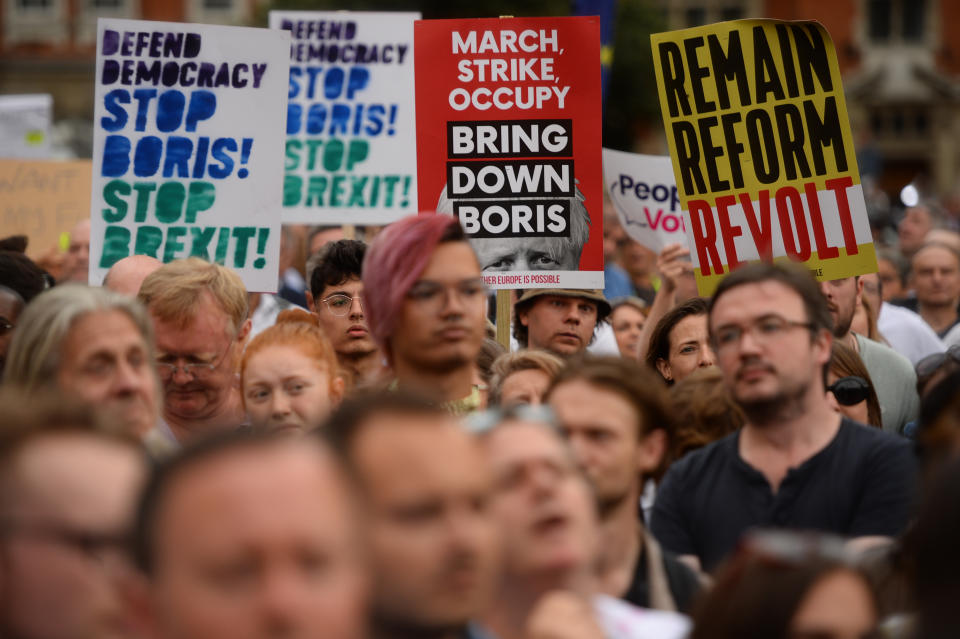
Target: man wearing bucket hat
[(559, 320)]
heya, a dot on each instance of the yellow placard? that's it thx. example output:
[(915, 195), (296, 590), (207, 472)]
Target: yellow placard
[(761, 147)]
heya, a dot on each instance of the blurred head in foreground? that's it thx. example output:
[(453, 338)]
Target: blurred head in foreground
[(543, 504), (425, 486), (67, 492), (783, 585), (250, 535), (523, 377)]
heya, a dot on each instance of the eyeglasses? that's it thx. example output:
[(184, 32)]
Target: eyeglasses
[(431, 293), (792, 547), (765, 329), (96, 545), (197, 370), (850, 391), (5, 326), (931, 363), (340, 304), (485, 421)]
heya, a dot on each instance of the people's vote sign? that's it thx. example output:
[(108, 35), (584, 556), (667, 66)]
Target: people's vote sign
[(508, 141), (188, 146), (762, 153), (351, 141), (644, 195)]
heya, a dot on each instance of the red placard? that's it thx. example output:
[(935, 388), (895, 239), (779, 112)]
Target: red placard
[(508, 140)]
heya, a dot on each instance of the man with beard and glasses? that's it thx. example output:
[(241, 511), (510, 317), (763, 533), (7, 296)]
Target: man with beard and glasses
[(425, 302), (614, 414), (892, 374), (425, 488), (795, 463)]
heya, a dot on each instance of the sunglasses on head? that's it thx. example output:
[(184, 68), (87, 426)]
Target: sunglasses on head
[(850, 391), (931, 363), (487, 420)]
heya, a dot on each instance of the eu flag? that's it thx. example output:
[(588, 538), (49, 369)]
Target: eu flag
[(607, 10)]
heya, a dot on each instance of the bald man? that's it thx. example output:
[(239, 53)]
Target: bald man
[(126, 276), (936, 279)]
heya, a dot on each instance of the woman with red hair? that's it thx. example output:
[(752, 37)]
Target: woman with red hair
[(289, 375)]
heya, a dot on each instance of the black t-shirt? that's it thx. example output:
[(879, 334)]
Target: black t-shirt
[(861, 483)]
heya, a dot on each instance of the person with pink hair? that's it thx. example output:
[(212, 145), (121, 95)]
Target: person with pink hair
[(425, 301)]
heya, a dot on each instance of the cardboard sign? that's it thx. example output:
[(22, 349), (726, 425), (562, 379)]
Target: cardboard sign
[(762, 152), (25, 125), (508, 140), (188, 146), (351, 142), (42, 200), (645, 197)]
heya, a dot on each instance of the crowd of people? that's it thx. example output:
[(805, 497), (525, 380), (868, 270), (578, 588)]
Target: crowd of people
[(357, 456)]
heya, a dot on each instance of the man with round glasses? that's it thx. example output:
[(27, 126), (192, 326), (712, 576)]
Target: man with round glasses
[(334, 275), (199, 313), (796, 463)]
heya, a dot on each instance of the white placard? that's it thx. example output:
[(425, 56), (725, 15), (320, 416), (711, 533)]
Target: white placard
[(188, 145), (644, 193), (351, 127)]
